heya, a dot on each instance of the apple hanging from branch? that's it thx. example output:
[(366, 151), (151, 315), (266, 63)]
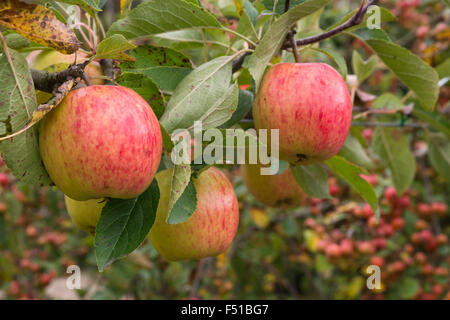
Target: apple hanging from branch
[(311, 106), (101, 142), (211, 228), (85, 214), (279, 190)]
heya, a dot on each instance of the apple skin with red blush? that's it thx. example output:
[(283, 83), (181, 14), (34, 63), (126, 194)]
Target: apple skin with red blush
[(311, 106), (101, 142), (279, 190), (209, 231)]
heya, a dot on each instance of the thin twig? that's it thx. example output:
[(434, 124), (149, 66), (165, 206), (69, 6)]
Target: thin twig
[(197, 278), (389, 124), (291, 37), (46, 81), (356, 19)]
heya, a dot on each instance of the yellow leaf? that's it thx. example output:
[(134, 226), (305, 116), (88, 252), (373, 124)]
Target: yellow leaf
[(239, 7), (38, 24), (45, 108), (259, 217), (311, 239), (351, 290), (125, 6)]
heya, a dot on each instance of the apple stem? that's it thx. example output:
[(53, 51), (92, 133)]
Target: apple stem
[(291, 37)]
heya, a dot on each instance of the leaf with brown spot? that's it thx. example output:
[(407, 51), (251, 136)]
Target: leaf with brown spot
[(38, 24), (44, 108), (18, 102)]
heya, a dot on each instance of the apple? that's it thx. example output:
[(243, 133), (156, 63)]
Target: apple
[(85, 214), (44, 59), (101, 142), (280, 190), (310, 105), (211, 228)]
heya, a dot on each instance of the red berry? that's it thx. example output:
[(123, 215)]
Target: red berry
[(390, 194), (346, 246), (4, 179), (398, 223), (377, 260), (333, 251)]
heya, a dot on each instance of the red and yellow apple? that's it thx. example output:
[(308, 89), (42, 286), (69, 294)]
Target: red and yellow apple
[(310, 105), (211, 228), (280, 190), (85, 214), (100, 142)]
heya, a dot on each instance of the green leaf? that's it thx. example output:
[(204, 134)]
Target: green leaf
[(439, 154), (167, 140), (410, 69), (363, 69), (275, 36), (222, 110), (15, 41), (166, 67), (146, 88), (155, 17), (181, 204), (393, 148), (90, 6), (124, 225), (404, 288), (354, 152), (433, 118), (387, 101), (370, 34), (337, 58), (251, 11), (244, 106), (351, 173), (18, 102), (185, 206), (190, 39), (313, 179), (113, 48), (246, 28), (443, 69), (200, 93)]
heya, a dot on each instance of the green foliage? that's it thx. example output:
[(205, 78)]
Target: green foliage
[(274, 37), (393, 148), (124, 224), (18, 101), (154, 17), (351, 173), (313, 179), (166, 67)]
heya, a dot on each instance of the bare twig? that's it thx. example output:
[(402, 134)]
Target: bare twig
[(108, 69), (197, 278), (46, 81), (356, 19), (291, 37), (389, 124)]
